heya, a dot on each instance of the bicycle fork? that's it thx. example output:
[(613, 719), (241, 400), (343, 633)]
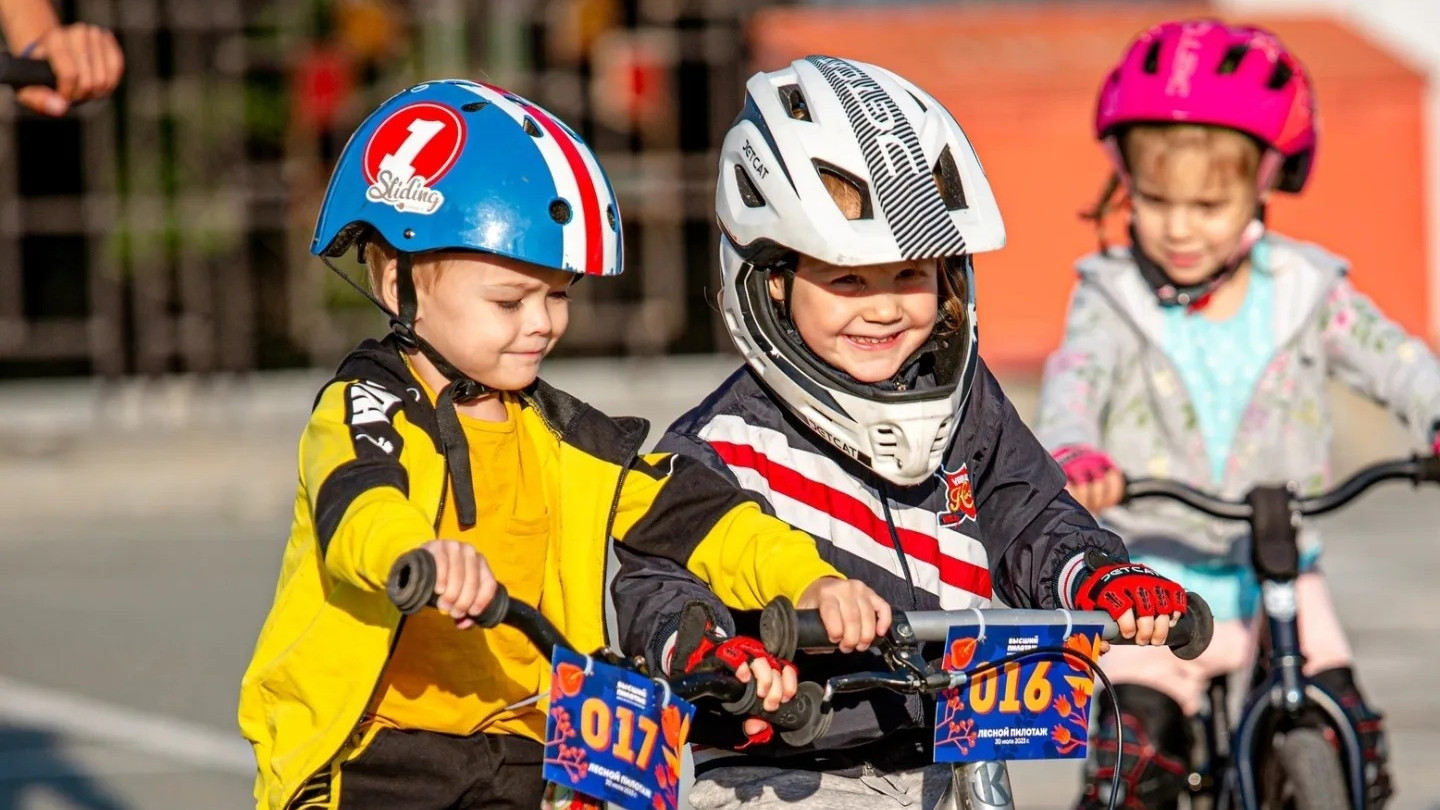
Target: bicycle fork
[(978, 786), (1286, 692)]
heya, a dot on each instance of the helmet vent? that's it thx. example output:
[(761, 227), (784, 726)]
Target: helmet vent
[(531, 128), (884, 441), (748, 193), (1282, 75), (1231, 62), (850, 193), (610, 217), (942, 436), (560, 211), (947, 180), (1152, 58), (794, 103)]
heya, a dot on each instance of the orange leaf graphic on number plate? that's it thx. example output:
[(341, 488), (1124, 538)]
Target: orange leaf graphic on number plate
[(672, 723), (571, 678), (962, 652), (1083, 647)]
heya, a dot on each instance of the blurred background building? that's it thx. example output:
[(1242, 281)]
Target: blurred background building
[(167, 230)]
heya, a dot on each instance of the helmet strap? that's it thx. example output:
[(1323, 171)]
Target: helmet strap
[(789, 281), (1195, 297), (459, 390)]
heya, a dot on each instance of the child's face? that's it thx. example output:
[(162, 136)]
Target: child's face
[(1189, 210), (493, 318), (865, 321)]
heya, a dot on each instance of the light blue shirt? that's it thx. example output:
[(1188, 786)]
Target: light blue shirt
[(1220, 362)]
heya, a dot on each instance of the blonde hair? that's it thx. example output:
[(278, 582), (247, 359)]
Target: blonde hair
[(378, 255), (954, 311), (845, 194), (1146, 148)]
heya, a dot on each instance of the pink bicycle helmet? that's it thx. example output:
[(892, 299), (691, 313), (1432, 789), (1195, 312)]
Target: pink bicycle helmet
[(1207, 72)]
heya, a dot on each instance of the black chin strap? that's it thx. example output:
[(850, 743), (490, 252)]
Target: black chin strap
[(1195, 296), (460, 390)]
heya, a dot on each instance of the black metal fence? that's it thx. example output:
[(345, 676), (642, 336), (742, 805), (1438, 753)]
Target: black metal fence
[(167, 229)]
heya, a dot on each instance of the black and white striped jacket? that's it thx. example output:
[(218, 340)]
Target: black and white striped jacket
[(995, 521)]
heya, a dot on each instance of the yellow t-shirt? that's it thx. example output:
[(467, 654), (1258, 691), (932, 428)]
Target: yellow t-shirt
[(462, 681)]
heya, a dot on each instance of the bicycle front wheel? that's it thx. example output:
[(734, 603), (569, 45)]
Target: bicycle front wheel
[(1306, 775)]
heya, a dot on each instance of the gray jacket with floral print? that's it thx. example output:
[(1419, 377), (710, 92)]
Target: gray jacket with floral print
[(1111, 385)]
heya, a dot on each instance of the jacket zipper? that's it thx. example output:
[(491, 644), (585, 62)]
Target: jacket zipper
[(628, 454), (899, 550), (605, 566), (394, 642)]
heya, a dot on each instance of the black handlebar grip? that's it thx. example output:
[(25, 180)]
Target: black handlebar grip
[(799, 720), (1193, 632), (1429, 469), (21, 72), (777, 628), (784, 630), (411, 587)]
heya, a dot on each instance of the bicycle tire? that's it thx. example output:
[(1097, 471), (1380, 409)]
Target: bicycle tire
[(1313, 778)]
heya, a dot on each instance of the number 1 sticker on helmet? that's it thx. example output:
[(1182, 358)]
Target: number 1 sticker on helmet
[(408, 153)]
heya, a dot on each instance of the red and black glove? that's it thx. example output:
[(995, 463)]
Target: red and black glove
[(702, 646), (1126, 586)]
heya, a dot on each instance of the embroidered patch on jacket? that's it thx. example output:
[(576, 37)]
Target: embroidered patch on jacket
[(959, 497)]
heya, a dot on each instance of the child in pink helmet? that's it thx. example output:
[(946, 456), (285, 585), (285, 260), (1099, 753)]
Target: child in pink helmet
[(1201, 352)]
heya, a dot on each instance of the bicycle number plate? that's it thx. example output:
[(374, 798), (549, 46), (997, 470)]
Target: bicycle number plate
[(611, 734), (1034, 708)]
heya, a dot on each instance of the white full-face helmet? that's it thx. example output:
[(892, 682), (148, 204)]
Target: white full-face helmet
[(923, 196)]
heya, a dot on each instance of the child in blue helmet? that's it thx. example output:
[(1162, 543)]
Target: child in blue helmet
[(475, 210)]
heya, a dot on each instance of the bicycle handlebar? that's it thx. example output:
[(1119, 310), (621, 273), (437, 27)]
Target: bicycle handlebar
[(1416, 469), (785, 629), (411, 587), (17, 71)]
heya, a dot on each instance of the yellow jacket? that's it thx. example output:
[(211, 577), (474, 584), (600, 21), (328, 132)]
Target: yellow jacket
[(372, 482)]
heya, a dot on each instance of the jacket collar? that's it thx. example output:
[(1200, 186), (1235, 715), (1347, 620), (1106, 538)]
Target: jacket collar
[(571, 419), (1304, 275)]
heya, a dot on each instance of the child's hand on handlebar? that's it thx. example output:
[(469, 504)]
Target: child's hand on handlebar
[(852, 613), (1143, 603), (464, 584), (1091, 477), (775, 687), (701, 646)]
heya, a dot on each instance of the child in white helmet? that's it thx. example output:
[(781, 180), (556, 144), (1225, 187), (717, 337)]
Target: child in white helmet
[(850, 203)]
